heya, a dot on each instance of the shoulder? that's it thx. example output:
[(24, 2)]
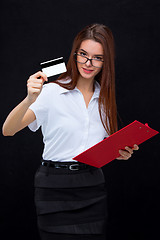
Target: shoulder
[(50, 89), (53, 88), (50, 86)]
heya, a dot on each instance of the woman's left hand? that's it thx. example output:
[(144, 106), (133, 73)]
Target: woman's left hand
[(127, 153)]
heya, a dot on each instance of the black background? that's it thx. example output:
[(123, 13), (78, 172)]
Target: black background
[(36, 31)]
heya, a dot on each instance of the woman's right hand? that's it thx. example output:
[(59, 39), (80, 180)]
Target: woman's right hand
[(34, 85)]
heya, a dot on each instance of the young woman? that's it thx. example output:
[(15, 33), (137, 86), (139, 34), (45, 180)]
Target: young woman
[(75, 112)]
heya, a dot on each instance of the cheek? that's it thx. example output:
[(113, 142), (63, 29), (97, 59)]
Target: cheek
[(97, 71)]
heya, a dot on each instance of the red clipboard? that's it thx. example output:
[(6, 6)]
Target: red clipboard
[(108, 149)]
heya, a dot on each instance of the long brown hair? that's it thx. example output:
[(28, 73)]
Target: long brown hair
[(106, 77)]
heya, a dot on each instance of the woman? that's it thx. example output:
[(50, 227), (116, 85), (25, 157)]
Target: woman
[(75, 112)]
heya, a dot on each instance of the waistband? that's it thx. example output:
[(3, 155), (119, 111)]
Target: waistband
[(73, 166)]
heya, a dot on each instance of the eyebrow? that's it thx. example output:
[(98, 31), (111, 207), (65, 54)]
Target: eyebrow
[(94, 54)]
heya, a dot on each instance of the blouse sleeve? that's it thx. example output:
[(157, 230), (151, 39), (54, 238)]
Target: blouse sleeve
[(39, 107)]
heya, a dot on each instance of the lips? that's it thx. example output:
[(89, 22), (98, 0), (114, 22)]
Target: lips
[(88, 71)]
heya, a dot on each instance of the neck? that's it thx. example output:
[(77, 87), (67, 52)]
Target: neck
[(86, 85)]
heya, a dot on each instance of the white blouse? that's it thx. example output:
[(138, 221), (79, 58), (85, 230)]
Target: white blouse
[(67, 125)]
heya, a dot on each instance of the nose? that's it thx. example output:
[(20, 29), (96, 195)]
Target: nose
[(88, 63)]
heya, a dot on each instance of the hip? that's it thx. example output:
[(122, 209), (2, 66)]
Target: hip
[(49, 177)]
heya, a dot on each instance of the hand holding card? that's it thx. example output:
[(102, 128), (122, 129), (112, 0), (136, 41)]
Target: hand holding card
[(35, 84), (53, 67)]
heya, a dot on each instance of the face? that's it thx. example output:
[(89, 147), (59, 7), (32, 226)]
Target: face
[(93, 50)]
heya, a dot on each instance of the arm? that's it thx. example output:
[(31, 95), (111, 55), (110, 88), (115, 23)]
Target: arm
[(21, 116)]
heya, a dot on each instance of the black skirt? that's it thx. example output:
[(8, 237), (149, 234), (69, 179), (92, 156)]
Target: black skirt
[(70, 204)]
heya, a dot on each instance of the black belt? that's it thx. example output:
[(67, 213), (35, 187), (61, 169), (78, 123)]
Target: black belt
[(70, 166)]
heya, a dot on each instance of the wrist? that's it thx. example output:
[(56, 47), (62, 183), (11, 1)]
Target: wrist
[(28, 101)]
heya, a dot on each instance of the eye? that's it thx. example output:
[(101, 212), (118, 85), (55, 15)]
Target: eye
[(83, 54), (98, 58)]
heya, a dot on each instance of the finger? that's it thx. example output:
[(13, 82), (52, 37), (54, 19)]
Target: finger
[(125, 154), (36, 80), (130, 150), (135, 147), (34, 90), (122, 158), (40, 74), (34, 85)]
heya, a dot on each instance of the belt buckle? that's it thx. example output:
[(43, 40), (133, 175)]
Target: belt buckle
[(74, 167)]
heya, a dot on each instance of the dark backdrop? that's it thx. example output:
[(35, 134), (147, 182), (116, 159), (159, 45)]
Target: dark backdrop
[(36, 31)]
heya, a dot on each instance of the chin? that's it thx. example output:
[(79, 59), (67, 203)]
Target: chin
[(87, 76)]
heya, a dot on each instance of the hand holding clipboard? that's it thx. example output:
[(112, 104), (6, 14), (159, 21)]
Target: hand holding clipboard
[(108, 149)]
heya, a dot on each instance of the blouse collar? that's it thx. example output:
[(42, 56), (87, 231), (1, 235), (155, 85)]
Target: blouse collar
[(96, 91)]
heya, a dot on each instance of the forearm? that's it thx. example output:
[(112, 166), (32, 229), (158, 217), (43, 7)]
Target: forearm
[(21, 115), (13, 122)]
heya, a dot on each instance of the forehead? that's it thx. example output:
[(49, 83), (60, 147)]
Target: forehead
[(92, 47)]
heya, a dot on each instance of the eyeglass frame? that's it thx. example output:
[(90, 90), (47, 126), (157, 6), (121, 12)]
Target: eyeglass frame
[(87, 59)]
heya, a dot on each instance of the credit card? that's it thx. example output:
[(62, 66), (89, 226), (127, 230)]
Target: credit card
[(53, 67)]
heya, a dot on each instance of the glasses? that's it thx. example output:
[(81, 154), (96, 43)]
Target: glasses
[(95, 62)]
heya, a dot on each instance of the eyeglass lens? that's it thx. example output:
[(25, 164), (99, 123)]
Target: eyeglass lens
[(94, 62)]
